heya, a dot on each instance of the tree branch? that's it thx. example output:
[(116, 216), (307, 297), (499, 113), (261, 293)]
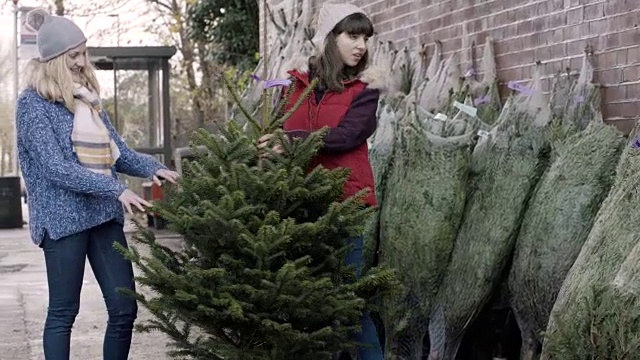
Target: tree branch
[(161, 4)]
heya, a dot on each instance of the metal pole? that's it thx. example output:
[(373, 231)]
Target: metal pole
[(14, 157)]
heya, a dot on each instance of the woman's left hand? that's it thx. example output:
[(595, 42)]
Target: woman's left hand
[(166, 174), (264, 140)]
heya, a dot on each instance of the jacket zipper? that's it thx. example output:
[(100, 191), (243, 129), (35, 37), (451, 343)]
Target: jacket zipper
[(318, 111)]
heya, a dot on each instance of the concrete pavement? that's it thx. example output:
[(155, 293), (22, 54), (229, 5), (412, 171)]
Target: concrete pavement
[(23, 306)]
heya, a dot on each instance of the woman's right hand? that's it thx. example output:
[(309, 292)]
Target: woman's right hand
[(129, 198)]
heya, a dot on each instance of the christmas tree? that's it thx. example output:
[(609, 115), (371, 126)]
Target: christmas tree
[(263, 274)]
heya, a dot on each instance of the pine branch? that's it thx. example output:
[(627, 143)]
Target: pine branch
[(305, 94), (285, 99), (236, 98)]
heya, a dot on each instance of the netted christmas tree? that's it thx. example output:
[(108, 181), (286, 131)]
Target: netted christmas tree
[(263, 274)]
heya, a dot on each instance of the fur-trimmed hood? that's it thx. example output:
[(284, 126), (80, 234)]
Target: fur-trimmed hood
[(374, 76)]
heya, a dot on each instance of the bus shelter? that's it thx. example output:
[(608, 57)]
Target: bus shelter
[(140, 105)]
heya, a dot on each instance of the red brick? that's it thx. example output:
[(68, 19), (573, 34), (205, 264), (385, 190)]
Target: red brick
[(630, 37), (621, 57), (402, 9), (553, 67), (631, 109), (542, 53), (594, 11), (622, 21), (558, 50), (510, 74), (496, 5), (598, 26), (540, 24), (623, 125), (534, 40), (610, 41), (557, 35), (608, 77), (451, 45), (515, 59), (613, 93), (633, 92), (576, 47), (613, 7), (555, 21), (613, 110), (524, 27), (575, 64), (571, 32), (514, 44), (575, 16), (543, 8), (633, 54)]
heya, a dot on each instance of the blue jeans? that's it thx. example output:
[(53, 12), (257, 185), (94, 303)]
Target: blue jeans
[(368, 337), (65, 262)]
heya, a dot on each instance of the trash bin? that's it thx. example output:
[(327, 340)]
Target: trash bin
[(10, 203)]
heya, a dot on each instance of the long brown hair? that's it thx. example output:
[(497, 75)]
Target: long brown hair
[(328, 67)]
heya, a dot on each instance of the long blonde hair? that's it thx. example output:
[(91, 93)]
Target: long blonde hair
[(53, 80)]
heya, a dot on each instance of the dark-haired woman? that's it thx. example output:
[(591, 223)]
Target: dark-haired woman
[(346, 101)]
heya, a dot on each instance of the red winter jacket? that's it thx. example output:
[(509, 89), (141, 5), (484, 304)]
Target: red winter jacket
[(351, 118)]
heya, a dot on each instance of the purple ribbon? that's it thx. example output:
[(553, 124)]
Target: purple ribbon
[(519, 88), (271, 83), (482, 100), (636, 144)]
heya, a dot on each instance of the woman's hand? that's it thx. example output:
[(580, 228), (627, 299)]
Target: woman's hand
[(170, 176), (129, 198), (264, 141)]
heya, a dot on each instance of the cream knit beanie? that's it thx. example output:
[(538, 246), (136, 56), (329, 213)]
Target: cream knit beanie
[(329, 16)]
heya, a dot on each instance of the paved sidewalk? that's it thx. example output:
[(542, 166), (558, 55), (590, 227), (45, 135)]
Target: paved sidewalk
[(23, 306)]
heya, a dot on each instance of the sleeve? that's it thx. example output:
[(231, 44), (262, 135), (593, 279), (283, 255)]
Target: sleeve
[(131, 162), (357, 125), (39, 140)]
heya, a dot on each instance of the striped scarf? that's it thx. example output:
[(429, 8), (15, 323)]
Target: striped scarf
[(90, 137)]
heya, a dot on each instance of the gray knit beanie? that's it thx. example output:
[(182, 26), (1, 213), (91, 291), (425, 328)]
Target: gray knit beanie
[(329, 16), (56, 34)]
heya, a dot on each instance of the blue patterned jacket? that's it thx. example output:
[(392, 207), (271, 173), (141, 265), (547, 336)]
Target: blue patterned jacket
[(64, 197)]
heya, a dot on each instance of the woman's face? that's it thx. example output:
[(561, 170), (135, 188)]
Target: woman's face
[(76, 60), (351, 48)]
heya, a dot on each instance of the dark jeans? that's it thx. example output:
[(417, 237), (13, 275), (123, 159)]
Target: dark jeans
[(368, 337), (65, 261)]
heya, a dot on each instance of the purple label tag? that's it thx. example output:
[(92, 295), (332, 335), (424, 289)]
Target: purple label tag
[(578, 99), (519, 88), (471, 72), (276, 82), (482, 100), (636, 144), (271, 83)]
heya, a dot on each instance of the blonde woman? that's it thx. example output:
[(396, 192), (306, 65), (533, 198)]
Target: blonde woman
[(69, 154)]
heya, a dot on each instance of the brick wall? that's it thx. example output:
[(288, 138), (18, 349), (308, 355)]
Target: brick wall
[(552, 31)]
